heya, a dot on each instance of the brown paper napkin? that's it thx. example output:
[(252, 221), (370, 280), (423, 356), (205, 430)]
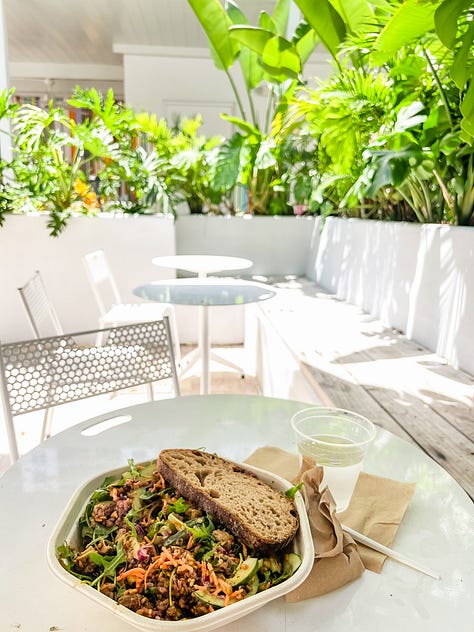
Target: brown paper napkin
[(376, 509)]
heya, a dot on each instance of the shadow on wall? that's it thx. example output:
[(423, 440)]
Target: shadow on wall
[(456, 298), (415, 278)]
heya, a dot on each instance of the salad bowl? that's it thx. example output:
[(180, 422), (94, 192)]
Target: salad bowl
[(67, 530)]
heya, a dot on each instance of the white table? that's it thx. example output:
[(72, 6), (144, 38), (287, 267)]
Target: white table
[(205, 292), (203, 265), (436, 530)]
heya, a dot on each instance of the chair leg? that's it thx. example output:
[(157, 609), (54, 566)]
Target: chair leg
[(149, 388), (47, 421), (170, 312)]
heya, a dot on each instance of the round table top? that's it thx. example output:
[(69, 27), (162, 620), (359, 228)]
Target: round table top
[(202, 264), (205, 292), (436, 529)]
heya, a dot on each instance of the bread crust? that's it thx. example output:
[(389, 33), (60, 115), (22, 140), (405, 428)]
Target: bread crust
[(263, 518)]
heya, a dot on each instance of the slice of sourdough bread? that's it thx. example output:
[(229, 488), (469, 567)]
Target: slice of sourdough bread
[(261, 517)]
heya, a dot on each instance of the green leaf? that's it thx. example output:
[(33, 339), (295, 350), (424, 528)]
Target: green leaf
[(358, 15), (252, 72), (411, 20), (282, 56), (291, 493), (467, 105), (216, 23), (265, 155), (446, 20), (109, 563), (392, 167), (280, 16), (245, 126), (326, 21), (305, 41), (266, 22), (461, 68), (179, 507), (228, 163), (253, 37)]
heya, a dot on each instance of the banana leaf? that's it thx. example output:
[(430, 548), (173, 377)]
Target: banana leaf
[(215, 22), (326, 21)]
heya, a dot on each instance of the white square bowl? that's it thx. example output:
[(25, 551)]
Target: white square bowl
[(66, 530)]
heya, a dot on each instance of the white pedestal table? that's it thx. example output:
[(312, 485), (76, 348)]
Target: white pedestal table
[(205, 292)]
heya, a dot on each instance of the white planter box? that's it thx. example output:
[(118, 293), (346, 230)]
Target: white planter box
[(416, 278), (277, 244), (129, 241)]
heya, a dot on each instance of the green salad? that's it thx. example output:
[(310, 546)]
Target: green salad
[(154, 552)]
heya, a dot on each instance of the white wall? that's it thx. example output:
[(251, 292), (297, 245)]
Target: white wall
[(166, 85), (186, 81), (418, 279), (277, 245), (5, 151), (129, 242)]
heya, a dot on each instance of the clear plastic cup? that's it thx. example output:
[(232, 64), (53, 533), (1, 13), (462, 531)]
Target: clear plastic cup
[(337, 439)]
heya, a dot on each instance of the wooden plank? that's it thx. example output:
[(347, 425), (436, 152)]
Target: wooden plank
[(442, 442), (346, 394)]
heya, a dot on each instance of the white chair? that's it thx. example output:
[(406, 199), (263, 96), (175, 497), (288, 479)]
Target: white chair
[(41, 313), (111, 308), (42, 373)]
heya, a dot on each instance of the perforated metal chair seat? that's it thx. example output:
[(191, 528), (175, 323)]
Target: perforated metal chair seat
[(45, 372)]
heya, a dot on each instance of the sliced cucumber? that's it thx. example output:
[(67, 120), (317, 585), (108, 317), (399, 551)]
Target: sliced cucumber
[(245, 572), (211, 600), (253, 584), (291, 563)]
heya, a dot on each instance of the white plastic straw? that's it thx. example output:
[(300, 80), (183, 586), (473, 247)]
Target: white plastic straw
[(399, 557)]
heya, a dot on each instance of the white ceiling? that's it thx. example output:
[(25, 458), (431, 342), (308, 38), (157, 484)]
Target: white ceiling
[(85, 31), (52, 45)]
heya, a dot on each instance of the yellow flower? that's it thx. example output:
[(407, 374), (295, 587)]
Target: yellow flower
[(80, 187)]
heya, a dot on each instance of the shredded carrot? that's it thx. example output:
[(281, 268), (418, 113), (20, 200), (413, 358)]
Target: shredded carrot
[(182, 568), (132, 572), (160, 483), (137, 573)]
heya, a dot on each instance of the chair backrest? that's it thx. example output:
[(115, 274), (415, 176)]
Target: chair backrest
[(101, 280), (41, 313), (45, 372)]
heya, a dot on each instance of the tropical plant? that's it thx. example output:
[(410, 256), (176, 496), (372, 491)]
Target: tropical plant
[(415, 151), (114, 159), (194, 160), (268, 60), (47, 170), (135, 177)]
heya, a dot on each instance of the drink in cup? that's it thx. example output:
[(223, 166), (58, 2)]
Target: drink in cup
[(337, 439)]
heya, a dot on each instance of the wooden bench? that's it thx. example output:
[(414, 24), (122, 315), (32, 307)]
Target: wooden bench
[(320, 349)]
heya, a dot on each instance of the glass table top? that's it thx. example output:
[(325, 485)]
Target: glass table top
[(205, 292)]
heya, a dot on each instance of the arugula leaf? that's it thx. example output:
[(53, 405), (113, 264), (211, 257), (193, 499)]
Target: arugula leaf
[(109, 563), (291, 493), (179, 507)]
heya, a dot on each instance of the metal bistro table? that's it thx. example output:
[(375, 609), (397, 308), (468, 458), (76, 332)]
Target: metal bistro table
[(203, 265), (205, 293), (436, 530)]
